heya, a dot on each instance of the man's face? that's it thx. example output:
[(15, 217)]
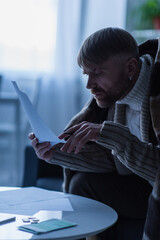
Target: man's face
[(108, 81)]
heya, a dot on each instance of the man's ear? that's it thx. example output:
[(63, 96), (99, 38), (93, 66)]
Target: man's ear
[(132, 66)]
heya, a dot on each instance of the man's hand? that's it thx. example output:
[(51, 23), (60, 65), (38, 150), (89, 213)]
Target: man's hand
[(79, 135), (43, 150)]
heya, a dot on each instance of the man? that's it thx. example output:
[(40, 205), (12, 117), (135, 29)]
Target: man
[(113, 133)]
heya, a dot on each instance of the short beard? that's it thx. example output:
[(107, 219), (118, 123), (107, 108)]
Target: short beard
[(105, 105)]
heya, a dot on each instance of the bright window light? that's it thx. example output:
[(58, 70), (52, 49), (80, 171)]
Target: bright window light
[(27, 35)]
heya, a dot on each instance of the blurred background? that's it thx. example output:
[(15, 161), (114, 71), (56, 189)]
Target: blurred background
[(39, 42)]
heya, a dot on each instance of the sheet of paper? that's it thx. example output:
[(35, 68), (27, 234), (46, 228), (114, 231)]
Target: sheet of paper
[(62, 204), (29, 201), (42, 132), (43, 215), (28, 195), (4, 208)]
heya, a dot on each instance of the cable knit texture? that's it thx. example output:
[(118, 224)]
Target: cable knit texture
[(133, 110)]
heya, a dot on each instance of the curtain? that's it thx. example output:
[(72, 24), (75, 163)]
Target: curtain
[(65, 91), (62, 92)]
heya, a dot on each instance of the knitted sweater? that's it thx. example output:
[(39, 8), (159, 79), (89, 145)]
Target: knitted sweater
[(133, 109), (141, 157)]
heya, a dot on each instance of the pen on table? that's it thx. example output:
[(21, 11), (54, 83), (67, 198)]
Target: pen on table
[(7, 220)]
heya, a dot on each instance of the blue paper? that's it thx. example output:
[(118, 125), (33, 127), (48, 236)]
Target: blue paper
[(46, 226)]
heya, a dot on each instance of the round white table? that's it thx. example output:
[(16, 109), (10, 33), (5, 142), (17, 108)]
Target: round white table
[(92, 217)]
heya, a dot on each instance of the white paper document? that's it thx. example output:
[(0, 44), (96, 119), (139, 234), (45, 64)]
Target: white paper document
[(31, 200), (61, 204), (42, 132), (45, 215), (28, 195)]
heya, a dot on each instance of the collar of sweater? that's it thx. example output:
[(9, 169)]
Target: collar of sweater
[(135, 97)]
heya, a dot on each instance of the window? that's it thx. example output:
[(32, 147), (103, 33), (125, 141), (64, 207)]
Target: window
[(27, 35)]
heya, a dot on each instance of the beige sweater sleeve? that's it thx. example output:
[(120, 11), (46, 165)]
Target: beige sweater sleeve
[(141, 158), (92, 158)]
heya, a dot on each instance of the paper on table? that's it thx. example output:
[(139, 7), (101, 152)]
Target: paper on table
[(42, 132), (43, 215), (28, 195), (61, 204), (31, 200)]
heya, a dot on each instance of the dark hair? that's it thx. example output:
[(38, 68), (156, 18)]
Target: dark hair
[(107, 42)]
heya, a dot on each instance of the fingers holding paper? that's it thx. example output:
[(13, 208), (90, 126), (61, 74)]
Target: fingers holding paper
[(79, 135), (43, 150)]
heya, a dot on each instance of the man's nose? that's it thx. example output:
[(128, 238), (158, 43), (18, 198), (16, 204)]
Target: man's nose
[(90, 83)]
